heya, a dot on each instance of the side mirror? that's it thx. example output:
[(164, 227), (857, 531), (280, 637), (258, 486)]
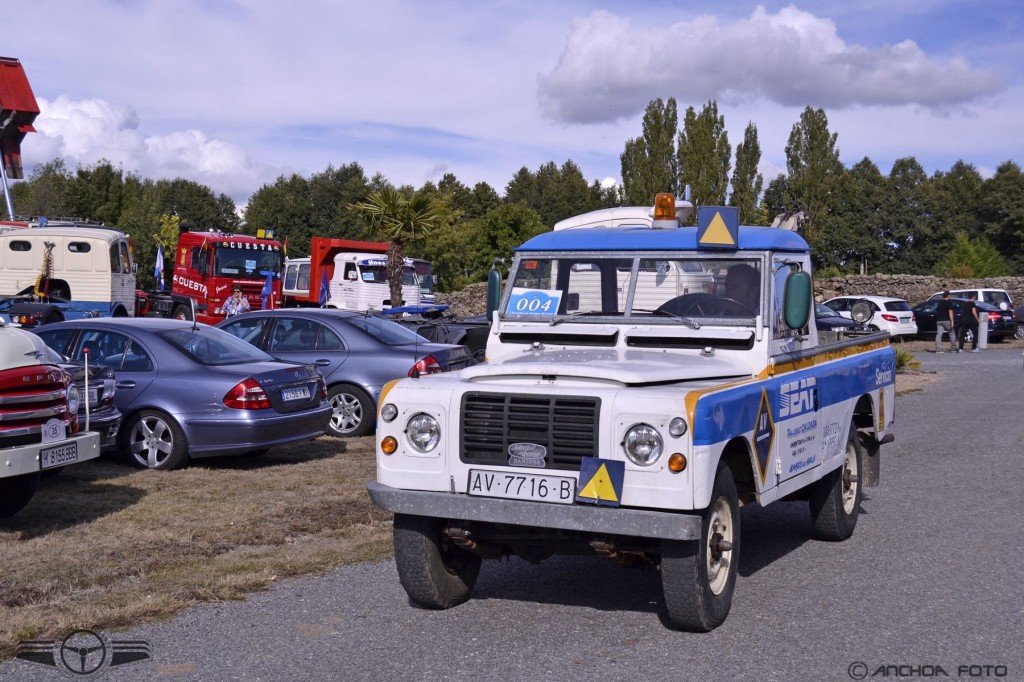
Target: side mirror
[(796, 301), (135, 268)]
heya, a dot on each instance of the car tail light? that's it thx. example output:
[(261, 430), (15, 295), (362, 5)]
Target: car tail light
[(428, 365), (995, 317), (890, 318), (247, 395)]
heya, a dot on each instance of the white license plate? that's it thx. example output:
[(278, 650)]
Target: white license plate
[(58, 456), (289, 394), (94, 396), (535, 487)]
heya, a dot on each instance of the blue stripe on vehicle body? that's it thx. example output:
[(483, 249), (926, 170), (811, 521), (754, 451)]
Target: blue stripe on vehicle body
[(722, 415), (632, 239)]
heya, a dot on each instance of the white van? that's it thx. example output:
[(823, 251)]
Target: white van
[(92, 267), (997, 297)]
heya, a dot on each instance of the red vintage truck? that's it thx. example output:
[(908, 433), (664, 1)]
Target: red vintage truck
[(205, 268)]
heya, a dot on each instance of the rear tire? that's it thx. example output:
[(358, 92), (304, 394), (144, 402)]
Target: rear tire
[(182, 312), (16, 492), (1018, 332), (698, 578), (835, 499), (152, 440), (435, 573), (353, 411)]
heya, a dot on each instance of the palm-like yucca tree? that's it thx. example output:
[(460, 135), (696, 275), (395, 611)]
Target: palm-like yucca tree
[(401, 220)]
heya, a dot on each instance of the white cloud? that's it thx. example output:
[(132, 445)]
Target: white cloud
[(610, 67), (88, 131)]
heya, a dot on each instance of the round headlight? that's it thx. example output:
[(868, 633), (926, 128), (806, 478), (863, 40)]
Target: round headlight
[(74, 399), (388, 412), (677, 427), (423, 432), (643, 445)]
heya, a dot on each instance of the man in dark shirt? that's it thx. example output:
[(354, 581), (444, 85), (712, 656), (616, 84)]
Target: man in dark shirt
[(969, 322), (944, 323)]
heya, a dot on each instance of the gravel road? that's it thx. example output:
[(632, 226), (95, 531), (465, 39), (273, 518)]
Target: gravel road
[(930, 583)]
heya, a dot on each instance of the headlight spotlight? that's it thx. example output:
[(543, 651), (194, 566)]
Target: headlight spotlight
[(677, 427), (389, 412), (643, 445), (423, 432)]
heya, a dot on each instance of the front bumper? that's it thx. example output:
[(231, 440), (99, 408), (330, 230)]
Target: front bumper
[(24, 459), (582, 518)]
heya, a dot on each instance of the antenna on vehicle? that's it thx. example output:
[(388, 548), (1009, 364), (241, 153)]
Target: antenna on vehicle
[(85, 353), (192, 305)]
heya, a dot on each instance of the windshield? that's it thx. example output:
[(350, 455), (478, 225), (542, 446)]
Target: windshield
[(698, 287), (387, 332), (379, 274), (210, 346), (249, 263)]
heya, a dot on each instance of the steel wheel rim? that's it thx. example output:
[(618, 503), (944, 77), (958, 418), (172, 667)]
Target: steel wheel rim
[(719, 530), (347, 413), (151, 442), (850, 479)]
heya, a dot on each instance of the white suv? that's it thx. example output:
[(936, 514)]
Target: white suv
[(892, 315), (997, 297)]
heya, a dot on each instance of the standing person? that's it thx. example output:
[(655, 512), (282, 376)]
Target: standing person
[(944, 323), (969, 322), (237, 304)]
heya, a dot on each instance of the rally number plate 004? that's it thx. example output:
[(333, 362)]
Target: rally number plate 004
[(534, 487)]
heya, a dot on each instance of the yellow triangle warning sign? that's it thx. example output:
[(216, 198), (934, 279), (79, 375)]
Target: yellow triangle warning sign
[(717, 233), (600, 487)]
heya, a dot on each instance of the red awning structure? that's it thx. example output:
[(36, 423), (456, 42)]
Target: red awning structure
[(18, 109)]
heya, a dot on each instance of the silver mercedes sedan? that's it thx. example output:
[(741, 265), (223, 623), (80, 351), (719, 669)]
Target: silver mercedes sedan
[(188, 390)]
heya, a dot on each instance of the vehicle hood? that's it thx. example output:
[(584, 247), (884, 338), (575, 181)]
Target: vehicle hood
[(628, 367)]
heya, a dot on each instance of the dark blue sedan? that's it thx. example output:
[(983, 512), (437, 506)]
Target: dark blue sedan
[(188, 390)]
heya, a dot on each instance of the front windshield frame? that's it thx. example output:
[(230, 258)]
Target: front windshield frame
[(635, 300)]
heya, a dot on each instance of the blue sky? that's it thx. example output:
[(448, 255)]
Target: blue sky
[(235, 93)]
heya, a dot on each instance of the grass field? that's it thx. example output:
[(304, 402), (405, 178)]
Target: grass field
[(103, 545)]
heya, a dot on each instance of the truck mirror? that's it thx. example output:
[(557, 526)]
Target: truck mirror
[(135, 268), (797, 299), (493, 289)]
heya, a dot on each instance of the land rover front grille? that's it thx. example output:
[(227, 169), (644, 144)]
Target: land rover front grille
[(566, 426)]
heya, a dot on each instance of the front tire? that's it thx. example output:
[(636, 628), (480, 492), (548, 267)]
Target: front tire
[(435, 573), (835, 499), (16, 492), (698, 578), (152, 440), (182, 312), (353, 411)]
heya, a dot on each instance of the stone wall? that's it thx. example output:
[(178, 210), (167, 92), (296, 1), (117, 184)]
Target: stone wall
[(913, 288)]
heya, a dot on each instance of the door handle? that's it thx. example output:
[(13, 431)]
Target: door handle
[(321, 363), (124, 384)]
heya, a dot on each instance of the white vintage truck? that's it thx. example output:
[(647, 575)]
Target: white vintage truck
[(644, 380)]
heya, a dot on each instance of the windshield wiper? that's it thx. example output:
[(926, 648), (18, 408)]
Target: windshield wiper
[(583, 313), (689, 322)]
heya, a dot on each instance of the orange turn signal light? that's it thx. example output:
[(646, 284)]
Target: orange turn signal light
[(676, 462), (388, 445)]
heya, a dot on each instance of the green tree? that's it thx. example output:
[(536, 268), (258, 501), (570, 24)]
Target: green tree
[(402, 221), (649, 163), (850, 235), (746, 181), (903, 217), (971, 259), (776, 198), (46, 192), (950, 204), (1002, 213), (704, 154), (812, 163)]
